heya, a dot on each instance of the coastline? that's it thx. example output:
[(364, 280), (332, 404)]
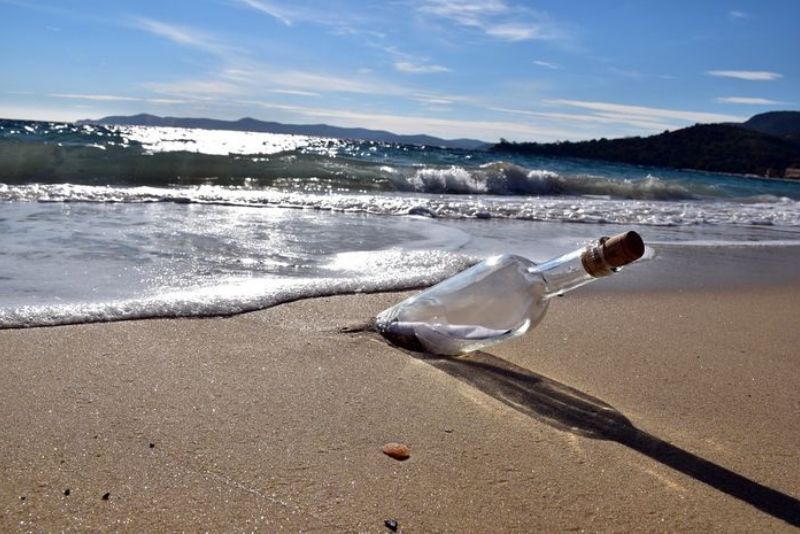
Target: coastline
[(277, 418)]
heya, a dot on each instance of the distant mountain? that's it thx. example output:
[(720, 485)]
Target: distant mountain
[(248, 124), (780, 123), (735, 148)]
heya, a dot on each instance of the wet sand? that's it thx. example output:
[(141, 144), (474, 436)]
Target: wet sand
[(638, 411)]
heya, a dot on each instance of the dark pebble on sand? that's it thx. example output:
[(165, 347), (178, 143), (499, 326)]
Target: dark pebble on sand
[(66, 492), (391, 524), (22, 498), (106, 496), (152, 445)]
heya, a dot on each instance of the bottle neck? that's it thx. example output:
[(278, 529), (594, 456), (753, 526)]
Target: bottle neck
[(573, 270)]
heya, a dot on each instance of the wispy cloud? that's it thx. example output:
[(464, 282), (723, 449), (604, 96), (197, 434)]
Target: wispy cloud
[(182, 35), (433, 101), (254, 78), (341, 22), (598, 118), (96, 98), (413, 68), (317, 81), (516, 32), (278, 13), (496, 19), (194, 88), (467, 12), (115, 98), (645, 113), (751, 75), (293, 92), (737, 14), (546, 64), (748, 100)]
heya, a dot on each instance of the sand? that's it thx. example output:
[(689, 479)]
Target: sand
[(640, 411)]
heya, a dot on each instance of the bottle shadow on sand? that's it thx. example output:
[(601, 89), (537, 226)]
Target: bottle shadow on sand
[(568, 409)]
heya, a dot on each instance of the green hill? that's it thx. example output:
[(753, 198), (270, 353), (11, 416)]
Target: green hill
[(734, 148), (780, 123)]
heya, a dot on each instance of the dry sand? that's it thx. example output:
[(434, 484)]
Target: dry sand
[(650, 411)]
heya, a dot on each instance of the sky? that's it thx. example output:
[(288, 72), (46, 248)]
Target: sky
[(484, 69)]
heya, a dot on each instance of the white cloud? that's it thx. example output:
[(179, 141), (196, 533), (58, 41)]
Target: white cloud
[(258, 78), (97, 98), (255, 77), (293, 92), (182, 35), (598, 118), (115, 98), (748, 100), (270, 9), (736, 14), (413, 68), (647, 113), (271, 105), (466, 12), (433, 101), (317, 81), (194, 88), (546, 64), (341, 22), (495, 18), (751, 75), (515, 32)]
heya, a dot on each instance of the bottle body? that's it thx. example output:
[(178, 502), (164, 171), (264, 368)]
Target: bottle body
[(497, 299)]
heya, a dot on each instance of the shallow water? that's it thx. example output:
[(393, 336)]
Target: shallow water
[(130, 238)]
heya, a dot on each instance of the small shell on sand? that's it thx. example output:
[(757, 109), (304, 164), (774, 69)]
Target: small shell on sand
[(398, 451)]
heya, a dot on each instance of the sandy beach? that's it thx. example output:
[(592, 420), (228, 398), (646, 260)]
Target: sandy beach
[(647, 411)]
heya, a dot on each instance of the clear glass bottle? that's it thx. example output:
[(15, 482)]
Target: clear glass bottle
[(499, 298)]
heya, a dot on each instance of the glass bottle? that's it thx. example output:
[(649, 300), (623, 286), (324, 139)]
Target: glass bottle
[(499, 298)]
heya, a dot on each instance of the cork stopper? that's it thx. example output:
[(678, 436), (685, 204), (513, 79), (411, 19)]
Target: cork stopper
[(611, 253)]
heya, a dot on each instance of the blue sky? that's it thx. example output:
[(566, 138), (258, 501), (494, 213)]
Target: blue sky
[(538, 70)]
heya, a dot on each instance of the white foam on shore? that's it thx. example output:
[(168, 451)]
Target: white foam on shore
[(782, 212), (388, 270), (75, 254)]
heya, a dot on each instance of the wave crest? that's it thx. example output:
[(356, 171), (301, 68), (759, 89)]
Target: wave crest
[(772, 212), (507, 179)]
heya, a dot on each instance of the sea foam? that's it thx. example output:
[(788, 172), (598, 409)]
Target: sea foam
[(766, 211)]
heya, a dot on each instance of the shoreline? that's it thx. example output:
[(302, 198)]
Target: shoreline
[(276, 418), (669, 268)]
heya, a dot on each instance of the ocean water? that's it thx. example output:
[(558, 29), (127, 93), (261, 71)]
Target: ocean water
[(108, 223)]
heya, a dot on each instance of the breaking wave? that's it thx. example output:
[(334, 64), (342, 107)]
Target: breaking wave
[(772, 211), (24, 163), (130, 156)]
